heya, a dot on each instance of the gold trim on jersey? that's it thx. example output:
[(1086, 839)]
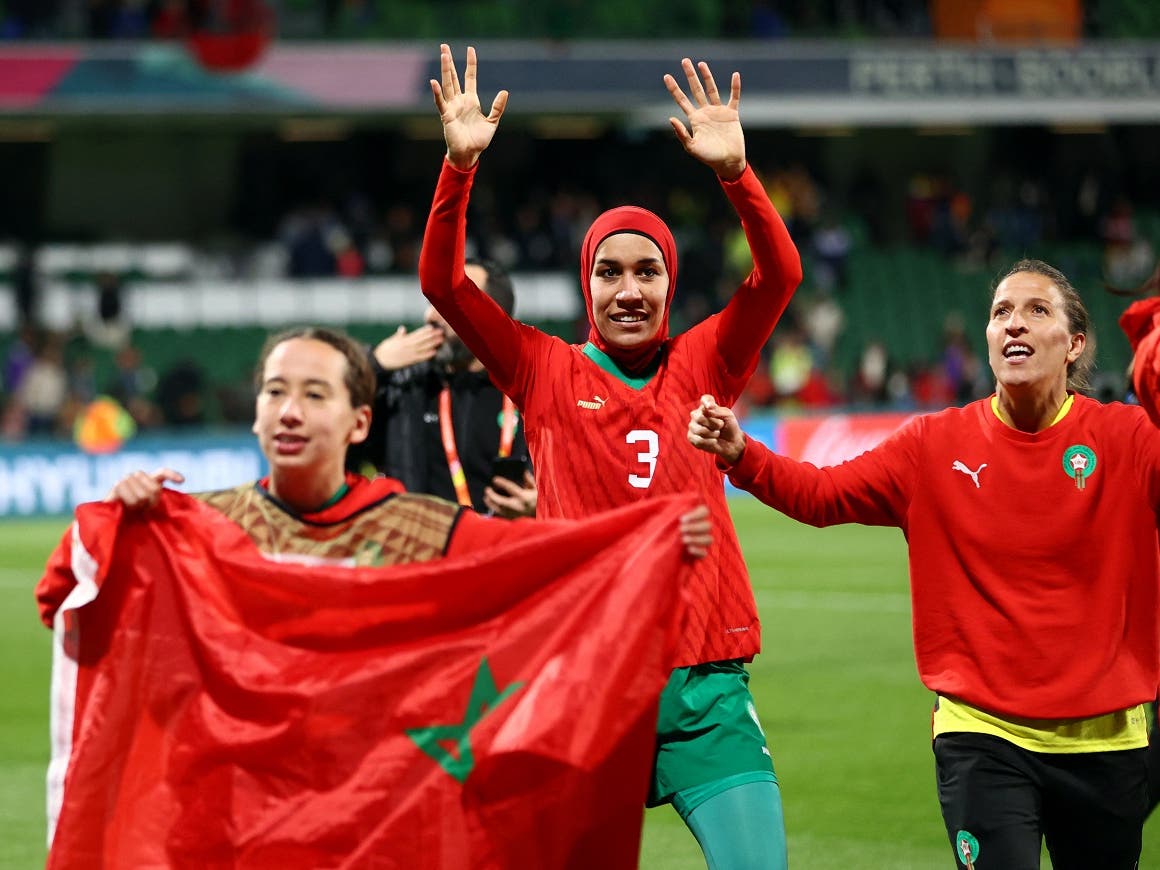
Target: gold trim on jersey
[(403, 528), (1059, 415), (1123, 729)]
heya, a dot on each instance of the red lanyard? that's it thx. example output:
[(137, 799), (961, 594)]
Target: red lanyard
[(447, 431)]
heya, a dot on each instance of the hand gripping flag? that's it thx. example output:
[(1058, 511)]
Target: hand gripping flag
[(216, 709)]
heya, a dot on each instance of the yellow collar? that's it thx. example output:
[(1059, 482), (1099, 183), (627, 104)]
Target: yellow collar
[(1060, 414)]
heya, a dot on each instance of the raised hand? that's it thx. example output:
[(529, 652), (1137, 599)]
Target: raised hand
[(466, 130), (716, 137), (402, 348), (714, 429)]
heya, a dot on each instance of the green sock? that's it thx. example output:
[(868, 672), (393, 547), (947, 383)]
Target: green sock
[(742, 828)]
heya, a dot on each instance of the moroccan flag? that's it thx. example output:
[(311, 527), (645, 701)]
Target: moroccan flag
[(213, 708)]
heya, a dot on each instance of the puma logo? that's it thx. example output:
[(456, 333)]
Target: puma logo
[(973, 475), (595, 405)]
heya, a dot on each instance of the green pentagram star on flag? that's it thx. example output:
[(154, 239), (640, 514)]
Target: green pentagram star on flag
[(450, 745)]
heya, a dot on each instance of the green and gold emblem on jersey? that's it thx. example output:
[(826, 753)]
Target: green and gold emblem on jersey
[(1079, 463), (967, 847)]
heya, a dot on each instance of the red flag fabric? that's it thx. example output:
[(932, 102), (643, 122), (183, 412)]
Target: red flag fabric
[(1139, 322), (215, 709)]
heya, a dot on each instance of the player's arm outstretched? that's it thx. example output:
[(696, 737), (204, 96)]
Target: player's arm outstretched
[(714, 136), (491, 335)]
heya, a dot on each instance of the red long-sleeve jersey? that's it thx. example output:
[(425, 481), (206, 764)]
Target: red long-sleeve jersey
[(598, 442), (1034, 558)]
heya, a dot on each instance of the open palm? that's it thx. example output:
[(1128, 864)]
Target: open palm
[(714, 135), (466, 130)]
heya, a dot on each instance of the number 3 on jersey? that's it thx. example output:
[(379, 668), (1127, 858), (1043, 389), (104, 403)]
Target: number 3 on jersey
[(648, 456)]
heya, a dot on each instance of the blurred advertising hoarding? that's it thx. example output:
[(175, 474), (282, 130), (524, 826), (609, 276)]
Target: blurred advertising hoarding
[(52, 478), (834, 438), (962, 78)]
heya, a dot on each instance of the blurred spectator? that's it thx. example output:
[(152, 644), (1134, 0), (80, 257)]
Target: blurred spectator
[(82, 378), (133, 385), (19, 358), (737, 259), (824, 321), (348, 16), (938, 213), (306, 233), (348, 262), (359, 217), (13, 425), (952, 229), (110, 328), (765, 21), (1128, 258), (795, 191), (1084, 217), (920, 199), (116, 19), (181, 394), (928, 386), (982, 248), (168, 19), (402, 235), (28, 19), (961, 366), (831, 244), (535, 246), (25, 287), (870, 385), (235, 401), (790, 363), (569, 214), (109, 303), (1017, 214), (758, 392), (44, 387)]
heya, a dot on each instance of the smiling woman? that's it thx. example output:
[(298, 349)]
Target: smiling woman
[(629, 289), (605, 427), (1038, 638), (628, 283), (314, 395)]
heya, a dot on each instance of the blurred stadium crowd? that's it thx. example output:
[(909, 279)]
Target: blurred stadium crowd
[(931, 238), (831, 350)]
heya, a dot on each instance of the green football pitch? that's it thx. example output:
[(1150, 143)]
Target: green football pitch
[(847, 720)]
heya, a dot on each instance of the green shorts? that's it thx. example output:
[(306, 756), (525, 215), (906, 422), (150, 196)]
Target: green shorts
[(708, 736)]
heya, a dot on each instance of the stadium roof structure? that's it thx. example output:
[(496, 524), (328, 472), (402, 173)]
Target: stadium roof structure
[(785, 83)]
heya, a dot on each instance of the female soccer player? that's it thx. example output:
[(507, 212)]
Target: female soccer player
[(605, 425), (1034, 572)]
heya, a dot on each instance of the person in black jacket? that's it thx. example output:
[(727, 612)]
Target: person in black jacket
[(436, 410)]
